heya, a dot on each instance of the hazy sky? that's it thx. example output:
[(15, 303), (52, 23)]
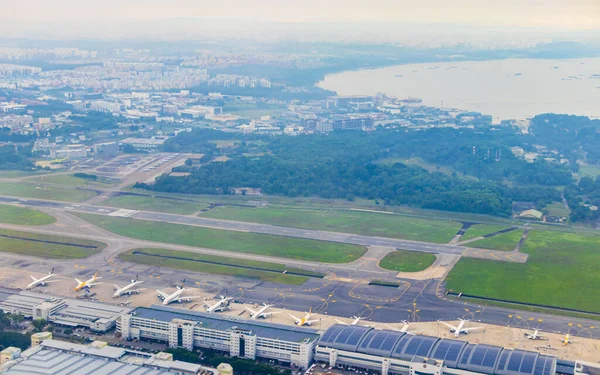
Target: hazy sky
[(577, 14)]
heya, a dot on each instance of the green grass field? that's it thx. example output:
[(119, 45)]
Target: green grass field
[(39, 191), (503, 241), (588, 170), (407, 261), (148, 203), (562, 271), (557, 209), (359, 222), (18, 174), (226, 266), (23, 216), (243, 242), (70, 180), (479, 230), (37, 245)]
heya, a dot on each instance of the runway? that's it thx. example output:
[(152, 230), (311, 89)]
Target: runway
[(344, 293), (272, 229)]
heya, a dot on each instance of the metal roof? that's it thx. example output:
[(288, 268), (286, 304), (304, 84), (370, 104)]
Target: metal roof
[(485, 359), (344, 337), (411, 346), (224, 322), (448, 351), (54, 361), (379, 343)]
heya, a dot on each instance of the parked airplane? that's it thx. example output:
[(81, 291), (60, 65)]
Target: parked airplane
[(354, 322), (221, 305), (566, 340), (127, 289), (261, 313), (304, 321), (42, 281), (88, 283), (534, 335), (404, 328), (460, 328), (175, 296)]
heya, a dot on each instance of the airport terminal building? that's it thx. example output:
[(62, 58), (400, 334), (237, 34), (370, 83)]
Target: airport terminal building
[(238, 337), (397, 353), (69, 312)]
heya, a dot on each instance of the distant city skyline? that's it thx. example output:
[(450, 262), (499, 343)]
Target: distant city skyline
[(154, 19)]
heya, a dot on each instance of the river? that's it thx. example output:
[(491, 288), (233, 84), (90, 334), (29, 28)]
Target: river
[(505, 89)]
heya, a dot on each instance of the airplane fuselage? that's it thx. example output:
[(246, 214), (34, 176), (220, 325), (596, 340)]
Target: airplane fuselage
[(126, 289), (173, 297), (41, 281)]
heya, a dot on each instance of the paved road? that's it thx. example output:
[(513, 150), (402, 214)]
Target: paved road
[(269, 229)]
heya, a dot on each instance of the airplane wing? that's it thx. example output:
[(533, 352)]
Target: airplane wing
[(92, 284), (116, 287), (472, 329), (33, 278), (340, 322), (78, 281), (251, 311), (136, 290), (270, 313), (447, 325), (294, 317), (311, 321), (187, 299), (162, 295)]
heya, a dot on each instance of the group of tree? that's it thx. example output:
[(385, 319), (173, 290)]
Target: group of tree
[(348, 164), (15, 157), (583, 199), (240, 366), (8, 337)]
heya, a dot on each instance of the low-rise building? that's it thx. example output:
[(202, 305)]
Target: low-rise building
[(38, 337), (53, 357), (67, 312), (238, 337), (9, 354)]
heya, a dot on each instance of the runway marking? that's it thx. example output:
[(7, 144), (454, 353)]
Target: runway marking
[(494, 255)]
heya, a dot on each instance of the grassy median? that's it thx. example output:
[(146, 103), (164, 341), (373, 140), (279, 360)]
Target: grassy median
[(46, 246), (23, 216), (407, 261), (243, 242), (562, 271), (195, 262), (345, 221)]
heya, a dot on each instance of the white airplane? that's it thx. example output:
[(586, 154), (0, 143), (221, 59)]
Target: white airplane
[(221, 305), (355, 321), (404, 328), (261, 313), (42, 281), (566, 340), (534, 335), (175, 296), (460, 328), (88, 283), (304, 321), (127, 289)]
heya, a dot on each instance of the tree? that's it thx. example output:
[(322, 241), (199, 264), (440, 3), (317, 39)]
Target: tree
[(39, 324)]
